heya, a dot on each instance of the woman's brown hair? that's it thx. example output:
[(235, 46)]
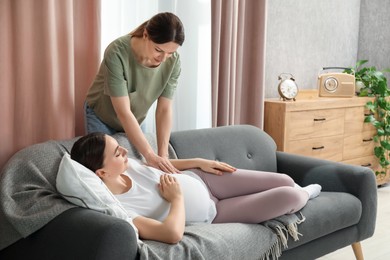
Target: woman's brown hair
[(89, 150), (162, 28)]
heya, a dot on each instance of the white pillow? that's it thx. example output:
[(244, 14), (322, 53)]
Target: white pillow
[(81, 186)]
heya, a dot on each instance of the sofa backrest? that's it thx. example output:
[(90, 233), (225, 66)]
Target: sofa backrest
[(242, 146)]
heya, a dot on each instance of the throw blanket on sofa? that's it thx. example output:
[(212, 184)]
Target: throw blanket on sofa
[(205, 241), (30, 200)]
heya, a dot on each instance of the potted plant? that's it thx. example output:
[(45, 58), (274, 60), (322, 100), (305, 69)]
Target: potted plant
[(372, 82)]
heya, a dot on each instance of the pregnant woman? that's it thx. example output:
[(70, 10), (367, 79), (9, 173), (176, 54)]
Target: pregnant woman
[(160, 204)]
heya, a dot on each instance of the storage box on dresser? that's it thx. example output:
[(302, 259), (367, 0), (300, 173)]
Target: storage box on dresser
[(326, 128)]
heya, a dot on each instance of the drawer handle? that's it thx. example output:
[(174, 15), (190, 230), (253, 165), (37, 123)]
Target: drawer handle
[(368, 140), (367, 165), (319, 119), (318, 148)]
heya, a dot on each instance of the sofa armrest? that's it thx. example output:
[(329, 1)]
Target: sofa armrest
[(78, 234), (336, 177)]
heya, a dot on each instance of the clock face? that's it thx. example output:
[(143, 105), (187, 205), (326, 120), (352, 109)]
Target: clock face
[(288, 89), (331, 84)]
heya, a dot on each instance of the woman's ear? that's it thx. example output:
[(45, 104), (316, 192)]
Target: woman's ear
[(100, 173), (145, 34)]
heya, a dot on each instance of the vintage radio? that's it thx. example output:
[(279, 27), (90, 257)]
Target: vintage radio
[(336, 84)]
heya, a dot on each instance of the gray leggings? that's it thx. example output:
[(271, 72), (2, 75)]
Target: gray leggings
[(247, 196)]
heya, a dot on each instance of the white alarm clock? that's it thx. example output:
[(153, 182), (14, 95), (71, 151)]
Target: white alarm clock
[(287, 87)]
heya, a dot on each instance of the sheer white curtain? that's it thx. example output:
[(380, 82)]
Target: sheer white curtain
[(192, 101)]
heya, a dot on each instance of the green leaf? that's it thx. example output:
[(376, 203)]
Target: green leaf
[(387, 130), (363, 71), (378, 74), (377, 124), (360, 63), (382, 103), (369, 119), (349, 71), (380, 132), (385, 145), (382, 161), (370, 106), (363, 92), (378, 151)]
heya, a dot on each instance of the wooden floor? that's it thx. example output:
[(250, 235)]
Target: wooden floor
[(376, 247)]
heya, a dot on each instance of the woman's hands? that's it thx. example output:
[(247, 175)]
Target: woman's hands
[(215, 167), (169, 188), (137, 138), (161, 163)]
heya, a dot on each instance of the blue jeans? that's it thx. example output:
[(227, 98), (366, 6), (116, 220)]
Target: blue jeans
[(94, 124)]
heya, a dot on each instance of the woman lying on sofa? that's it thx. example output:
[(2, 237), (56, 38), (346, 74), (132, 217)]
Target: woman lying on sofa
[(214, 192)]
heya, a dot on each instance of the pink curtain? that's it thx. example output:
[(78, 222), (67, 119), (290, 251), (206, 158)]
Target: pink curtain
[(49, 55), (238, 61)]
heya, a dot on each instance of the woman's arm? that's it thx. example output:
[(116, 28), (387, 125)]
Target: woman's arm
[(214, 167), (137, 138), (163, 125), (170, 230)]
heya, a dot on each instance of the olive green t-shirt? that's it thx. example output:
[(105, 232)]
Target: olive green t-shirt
[(121, 75)]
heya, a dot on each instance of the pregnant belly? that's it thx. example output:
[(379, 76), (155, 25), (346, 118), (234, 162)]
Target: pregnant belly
[(198, 205)]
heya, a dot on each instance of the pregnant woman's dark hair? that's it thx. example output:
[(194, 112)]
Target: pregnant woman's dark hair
[(89, 150)]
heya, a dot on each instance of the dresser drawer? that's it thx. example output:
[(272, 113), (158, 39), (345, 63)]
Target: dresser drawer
[(315, 123), (329, 148), (354, 120), (358, 145)]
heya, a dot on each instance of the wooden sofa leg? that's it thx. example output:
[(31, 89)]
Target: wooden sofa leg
[(357, 250)]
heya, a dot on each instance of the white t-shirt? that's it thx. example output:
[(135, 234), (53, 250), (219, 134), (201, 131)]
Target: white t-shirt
[(144, 199)]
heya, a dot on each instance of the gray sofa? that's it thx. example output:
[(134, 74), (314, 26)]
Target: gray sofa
[(343, 214)]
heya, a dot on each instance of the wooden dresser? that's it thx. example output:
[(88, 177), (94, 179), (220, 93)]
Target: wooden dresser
[(326, 128)]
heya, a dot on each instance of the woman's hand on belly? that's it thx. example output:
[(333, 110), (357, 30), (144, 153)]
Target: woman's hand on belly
[(170, 188), (170, 230)]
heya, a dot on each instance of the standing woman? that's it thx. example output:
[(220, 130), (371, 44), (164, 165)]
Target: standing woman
[(138, 69)]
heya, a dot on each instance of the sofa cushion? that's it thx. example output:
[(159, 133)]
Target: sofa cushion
[(329, 212)]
